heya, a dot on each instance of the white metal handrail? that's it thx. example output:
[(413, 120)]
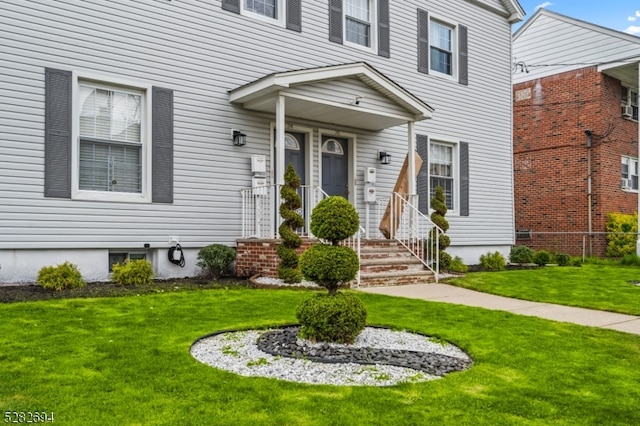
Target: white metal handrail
[(415, 231)]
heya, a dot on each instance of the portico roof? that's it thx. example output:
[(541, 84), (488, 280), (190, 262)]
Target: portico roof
[(354, 95)]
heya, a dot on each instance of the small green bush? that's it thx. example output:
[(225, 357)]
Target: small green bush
[(335, 318), (630, 260), (621, 237), (329, 266), (215, 259), (456, 265), (521, 254), (334, 219), (562, 259), (445, 260), (493, 261), (541, 257), (133, 272), (60, 277)]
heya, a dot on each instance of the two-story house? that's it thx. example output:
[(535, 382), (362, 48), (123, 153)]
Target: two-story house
[(131, 125), (575, 131)]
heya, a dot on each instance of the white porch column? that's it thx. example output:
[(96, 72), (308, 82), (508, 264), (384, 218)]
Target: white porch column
[(280, 166), (411, 143)]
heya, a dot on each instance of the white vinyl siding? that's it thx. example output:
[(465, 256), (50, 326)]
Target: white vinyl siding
[(170, 44)]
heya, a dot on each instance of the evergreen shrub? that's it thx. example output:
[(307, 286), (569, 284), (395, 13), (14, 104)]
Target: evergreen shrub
[(521, 254), (60, 277), (216, 259), (493, 261), (542, 257), (622, 234), (335, 318), (133, 272)]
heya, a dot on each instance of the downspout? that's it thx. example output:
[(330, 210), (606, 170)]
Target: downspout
[(589, 195)]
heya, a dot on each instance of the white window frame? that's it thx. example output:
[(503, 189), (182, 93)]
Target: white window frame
[(279, 20), (455, 172), (106, 82), (454, 47), (373, 28), (632, 164), (630, 100)]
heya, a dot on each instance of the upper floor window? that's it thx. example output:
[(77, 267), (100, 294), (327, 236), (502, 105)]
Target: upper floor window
[(441, 47), (629, 173), (358, 28), (361, 23), (110, 139), (280, 12), (629, 103)]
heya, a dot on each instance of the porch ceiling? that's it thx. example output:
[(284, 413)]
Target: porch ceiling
[(627, 71), (337, 104)]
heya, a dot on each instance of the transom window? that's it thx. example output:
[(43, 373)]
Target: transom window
[(332, 146), (291, 143), (110, 139), (629, 103), (441, 47), (358, 18), (266, 8), (629, 173), (441, 171)]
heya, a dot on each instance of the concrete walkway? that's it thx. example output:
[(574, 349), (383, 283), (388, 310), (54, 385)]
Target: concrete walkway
[(461, 296)]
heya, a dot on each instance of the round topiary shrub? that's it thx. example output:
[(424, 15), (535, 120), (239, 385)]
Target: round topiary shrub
[(334, 219), (493, 261), (329, 266), (562, 259), (215, 259), (60, 277), (521, 254), (326, 318)]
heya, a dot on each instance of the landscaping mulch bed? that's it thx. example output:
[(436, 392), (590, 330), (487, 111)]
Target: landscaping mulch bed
[(31, 292)]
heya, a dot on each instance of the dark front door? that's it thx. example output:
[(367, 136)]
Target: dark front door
[(335, 166), (294, 153)]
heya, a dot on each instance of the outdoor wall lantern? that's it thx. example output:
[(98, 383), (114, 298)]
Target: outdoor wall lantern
[(384, 157), (239, 138)]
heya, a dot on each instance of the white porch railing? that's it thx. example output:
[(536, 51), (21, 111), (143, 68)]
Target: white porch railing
[(415, 231)]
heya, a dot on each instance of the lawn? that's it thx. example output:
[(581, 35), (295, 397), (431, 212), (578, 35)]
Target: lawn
[(602, 287), (125, 361)]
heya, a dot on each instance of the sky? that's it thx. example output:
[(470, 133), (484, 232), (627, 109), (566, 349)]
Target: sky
[(620, 15)]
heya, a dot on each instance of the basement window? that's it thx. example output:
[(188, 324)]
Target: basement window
[(121, 257)]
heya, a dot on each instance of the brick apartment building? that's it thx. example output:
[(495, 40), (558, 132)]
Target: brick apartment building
[(575, 120)]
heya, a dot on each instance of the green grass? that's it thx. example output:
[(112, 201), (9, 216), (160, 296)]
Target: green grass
[(596, 286), (126, 361)]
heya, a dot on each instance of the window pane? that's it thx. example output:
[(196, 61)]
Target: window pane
[(110, 167), (110, 115), (447, 186), (358, 22), (441, 47), (262, 7)]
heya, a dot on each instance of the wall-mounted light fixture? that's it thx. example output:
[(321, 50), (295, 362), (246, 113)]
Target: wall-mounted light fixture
[(239, 138), (384, 157)]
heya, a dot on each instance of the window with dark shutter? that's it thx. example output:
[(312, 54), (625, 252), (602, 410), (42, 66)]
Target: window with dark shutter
[(423, 41), (422, 146), (162, 145), (57, 126), (463, 60), (384, 34)]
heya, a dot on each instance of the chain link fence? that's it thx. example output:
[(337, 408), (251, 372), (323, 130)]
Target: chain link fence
[(583, 244)]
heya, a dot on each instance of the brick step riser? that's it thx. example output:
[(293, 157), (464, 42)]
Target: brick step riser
[(389, 256), (372, 269), (401, 280)]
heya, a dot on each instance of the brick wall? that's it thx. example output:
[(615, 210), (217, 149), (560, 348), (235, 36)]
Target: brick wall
[(551, 158), (260, 257)]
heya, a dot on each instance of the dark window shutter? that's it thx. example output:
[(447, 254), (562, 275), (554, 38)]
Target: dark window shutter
[(294, 15), (335, 21), (463, 58), (464, 179), (423, 41), (422, 146), (384, 35), (162, 145), (231, 5), (57, 133)]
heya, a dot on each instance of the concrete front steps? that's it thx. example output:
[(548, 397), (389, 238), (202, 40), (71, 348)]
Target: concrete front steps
[(387, 262)]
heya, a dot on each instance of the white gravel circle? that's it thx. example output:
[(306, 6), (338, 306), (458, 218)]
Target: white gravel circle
[(237, 352)]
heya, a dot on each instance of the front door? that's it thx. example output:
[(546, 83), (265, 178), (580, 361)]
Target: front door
[(335, 166)]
